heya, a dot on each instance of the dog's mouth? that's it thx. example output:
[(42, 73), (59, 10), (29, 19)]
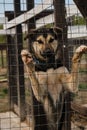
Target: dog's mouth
[(45, 60), (47, 54)]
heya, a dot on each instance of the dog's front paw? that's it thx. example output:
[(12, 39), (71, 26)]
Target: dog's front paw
[(27, 59), (78, 53), (81, 49)]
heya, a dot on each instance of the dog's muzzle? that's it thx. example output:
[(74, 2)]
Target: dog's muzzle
[(47, 53)]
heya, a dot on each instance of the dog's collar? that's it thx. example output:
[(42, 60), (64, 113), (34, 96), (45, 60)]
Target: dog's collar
[(43, 66)]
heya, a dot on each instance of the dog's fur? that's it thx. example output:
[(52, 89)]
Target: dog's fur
[(48, 80), (45, 46)]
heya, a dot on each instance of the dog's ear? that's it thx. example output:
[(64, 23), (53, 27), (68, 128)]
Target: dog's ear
[(59, 32), (30, 35)]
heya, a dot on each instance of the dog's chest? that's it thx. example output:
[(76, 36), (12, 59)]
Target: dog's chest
[(50, 82)]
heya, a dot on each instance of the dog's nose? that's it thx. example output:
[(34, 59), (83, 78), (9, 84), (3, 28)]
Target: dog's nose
[(47, 52)]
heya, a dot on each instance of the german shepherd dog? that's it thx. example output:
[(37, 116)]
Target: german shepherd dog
[(49, 78)]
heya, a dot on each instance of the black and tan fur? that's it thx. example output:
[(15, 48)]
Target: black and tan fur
[(48, 84), (45, 46)]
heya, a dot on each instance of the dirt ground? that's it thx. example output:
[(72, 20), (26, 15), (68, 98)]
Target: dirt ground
[(10, 121)]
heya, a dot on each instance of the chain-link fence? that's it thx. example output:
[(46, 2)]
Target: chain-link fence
[(54, 29)]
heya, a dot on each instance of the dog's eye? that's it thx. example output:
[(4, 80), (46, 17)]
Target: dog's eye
[(40, 41), (51, 40)]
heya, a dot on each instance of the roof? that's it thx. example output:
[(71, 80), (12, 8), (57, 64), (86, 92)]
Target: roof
[(82, 6)]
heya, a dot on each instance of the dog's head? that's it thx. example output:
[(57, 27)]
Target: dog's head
[(44, 42)]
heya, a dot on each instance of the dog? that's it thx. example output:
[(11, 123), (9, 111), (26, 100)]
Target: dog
[(49, 78)]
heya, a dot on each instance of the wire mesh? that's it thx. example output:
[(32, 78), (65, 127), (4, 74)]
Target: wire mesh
[(19, 108)]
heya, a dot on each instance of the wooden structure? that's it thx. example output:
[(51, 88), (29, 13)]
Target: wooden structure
[(82, 6), (79, 115), (3, 51), (33, 18)]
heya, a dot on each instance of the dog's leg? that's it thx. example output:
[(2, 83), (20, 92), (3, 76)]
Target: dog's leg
[(70, 81), (28, 62), (75, 65), (41, 95)]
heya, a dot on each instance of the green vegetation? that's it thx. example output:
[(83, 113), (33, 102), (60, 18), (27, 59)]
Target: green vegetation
[(49, 25), (4, 103), (2, 37), (1, 26), (4, 62), (83, 86), (78, 20), (82, 71), (83, 77), (3, 77), (3, 93)]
